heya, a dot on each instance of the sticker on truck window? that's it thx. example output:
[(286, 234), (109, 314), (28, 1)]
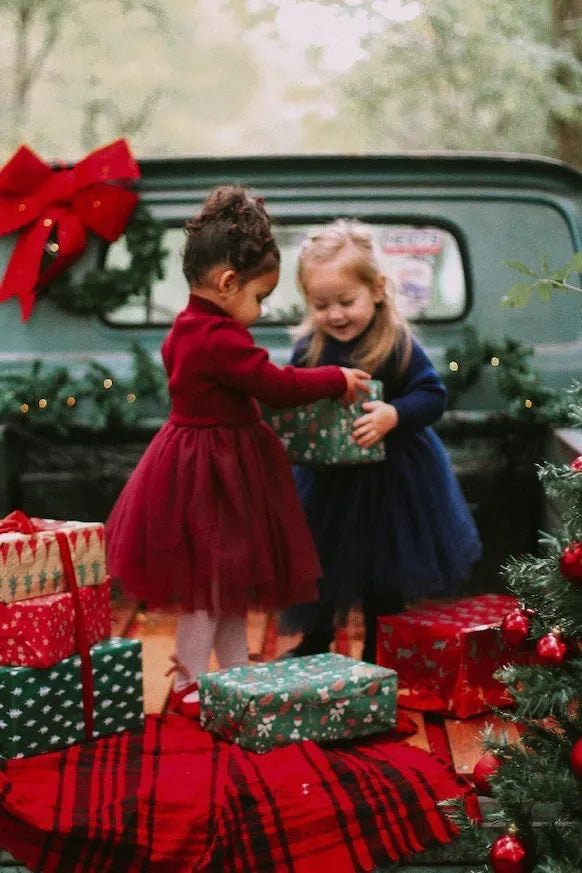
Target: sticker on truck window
[(425, 267)]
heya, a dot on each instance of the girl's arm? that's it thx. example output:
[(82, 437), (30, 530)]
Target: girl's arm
[(422, 397), (235, 361)]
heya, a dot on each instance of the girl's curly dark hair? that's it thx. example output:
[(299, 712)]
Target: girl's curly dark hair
[(233, 229)]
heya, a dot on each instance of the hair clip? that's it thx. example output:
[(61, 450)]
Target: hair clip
[(260, 200)]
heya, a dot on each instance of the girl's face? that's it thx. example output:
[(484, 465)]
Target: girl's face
[(341, 304), (243, 300)]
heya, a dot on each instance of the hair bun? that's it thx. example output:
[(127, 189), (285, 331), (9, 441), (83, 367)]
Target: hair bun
[(232, 227)]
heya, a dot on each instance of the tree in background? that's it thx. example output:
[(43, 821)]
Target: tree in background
[(35, 28), (567, 115), (175, 77), (254, 76), (452, 74)]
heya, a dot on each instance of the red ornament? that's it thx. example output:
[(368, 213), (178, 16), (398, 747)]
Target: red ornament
[(571, 563), (485, 767), (515, 627), (550, 649), (508, 855), (577, 464), (60, 204), (576, 759)]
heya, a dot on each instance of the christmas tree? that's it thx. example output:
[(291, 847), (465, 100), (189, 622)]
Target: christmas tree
[(537, 784)]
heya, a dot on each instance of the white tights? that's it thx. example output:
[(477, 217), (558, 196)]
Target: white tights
[(197, 634)]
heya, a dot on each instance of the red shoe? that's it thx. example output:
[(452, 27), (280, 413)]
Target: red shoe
[(189, 708)]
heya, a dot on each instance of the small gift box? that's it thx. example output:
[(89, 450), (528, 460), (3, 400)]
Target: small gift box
[(30, 557), (42, 631), (446, 655), (319, 697), (43, 710), (320, 433)]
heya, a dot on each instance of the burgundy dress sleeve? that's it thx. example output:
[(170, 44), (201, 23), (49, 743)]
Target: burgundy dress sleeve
[(236, 362)]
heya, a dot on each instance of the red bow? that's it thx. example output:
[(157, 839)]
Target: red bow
[(20, 522), (37, 199)]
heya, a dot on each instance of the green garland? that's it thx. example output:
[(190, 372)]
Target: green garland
[(52, 399), (101, 400), (527, 396), (104, 289)]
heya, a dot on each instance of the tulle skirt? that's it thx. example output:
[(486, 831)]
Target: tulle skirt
[(210, 519), (403, 523)]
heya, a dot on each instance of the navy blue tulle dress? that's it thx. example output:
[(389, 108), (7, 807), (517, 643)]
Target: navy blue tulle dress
[(389, 532)]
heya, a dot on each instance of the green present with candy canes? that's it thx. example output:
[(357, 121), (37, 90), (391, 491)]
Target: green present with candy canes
[(320, 433), (319, 697)]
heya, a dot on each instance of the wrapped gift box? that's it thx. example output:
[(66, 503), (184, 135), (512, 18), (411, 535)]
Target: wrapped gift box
[(321, 432), (42, 710), (31, 566), (319, 697), (446, 655), (41, 631)]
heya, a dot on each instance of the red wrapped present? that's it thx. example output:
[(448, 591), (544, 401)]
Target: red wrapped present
[(42, 631), (446, 654)]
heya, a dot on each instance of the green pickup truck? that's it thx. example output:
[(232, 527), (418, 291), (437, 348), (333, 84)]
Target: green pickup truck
[(445, 223)]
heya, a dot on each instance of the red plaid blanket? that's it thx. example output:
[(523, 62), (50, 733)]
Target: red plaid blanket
[(172, 798)]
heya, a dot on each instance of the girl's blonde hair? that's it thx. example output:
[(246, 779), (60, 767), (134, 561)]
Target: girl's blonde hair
[(389, 331)]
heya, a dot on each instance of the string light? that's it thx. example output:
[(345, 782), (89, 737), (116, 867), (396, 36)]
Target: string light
[(107, 383), (71, 401), (24, 408), (42, 403), (495, 361), (54, 247), (528, 404), (453, 365), (131, 398)]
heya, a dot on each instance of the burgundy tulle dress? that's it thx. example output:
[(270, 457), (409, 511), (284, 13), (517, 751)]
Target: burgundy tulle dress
[(210, 517)]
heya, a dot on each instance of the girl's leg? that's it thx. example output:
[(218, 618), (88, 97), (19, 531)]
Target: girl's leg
[(320, 637), (230, 642), (194, 640), (388, 603)]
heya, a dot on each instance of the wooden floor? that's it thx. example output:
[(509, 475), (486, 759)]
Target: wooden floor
[(459, 739)]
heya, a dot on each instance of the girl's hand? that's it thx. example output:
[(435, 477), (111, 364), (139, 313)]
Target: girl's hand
[(356, 380), (380, 419)]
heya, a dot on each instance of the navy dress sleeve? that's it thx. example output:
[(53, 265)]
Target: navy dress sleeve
[(420, 398)]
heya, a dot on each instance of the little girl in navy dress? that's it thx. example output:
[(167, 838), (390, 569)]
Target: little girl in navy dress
[(390, 532), (210, 521)]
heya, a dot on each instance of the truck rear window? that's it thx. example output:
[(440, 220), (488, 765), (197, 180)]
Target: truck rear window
[(423, 263)]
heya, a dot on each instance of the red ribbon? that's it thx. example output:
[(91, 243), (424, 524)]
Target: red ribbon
[(19, 522), (80, 633), (37, 200)]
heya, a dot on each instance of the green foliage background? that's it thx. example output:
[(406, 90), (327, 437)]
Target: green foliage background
[(232, 76)]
